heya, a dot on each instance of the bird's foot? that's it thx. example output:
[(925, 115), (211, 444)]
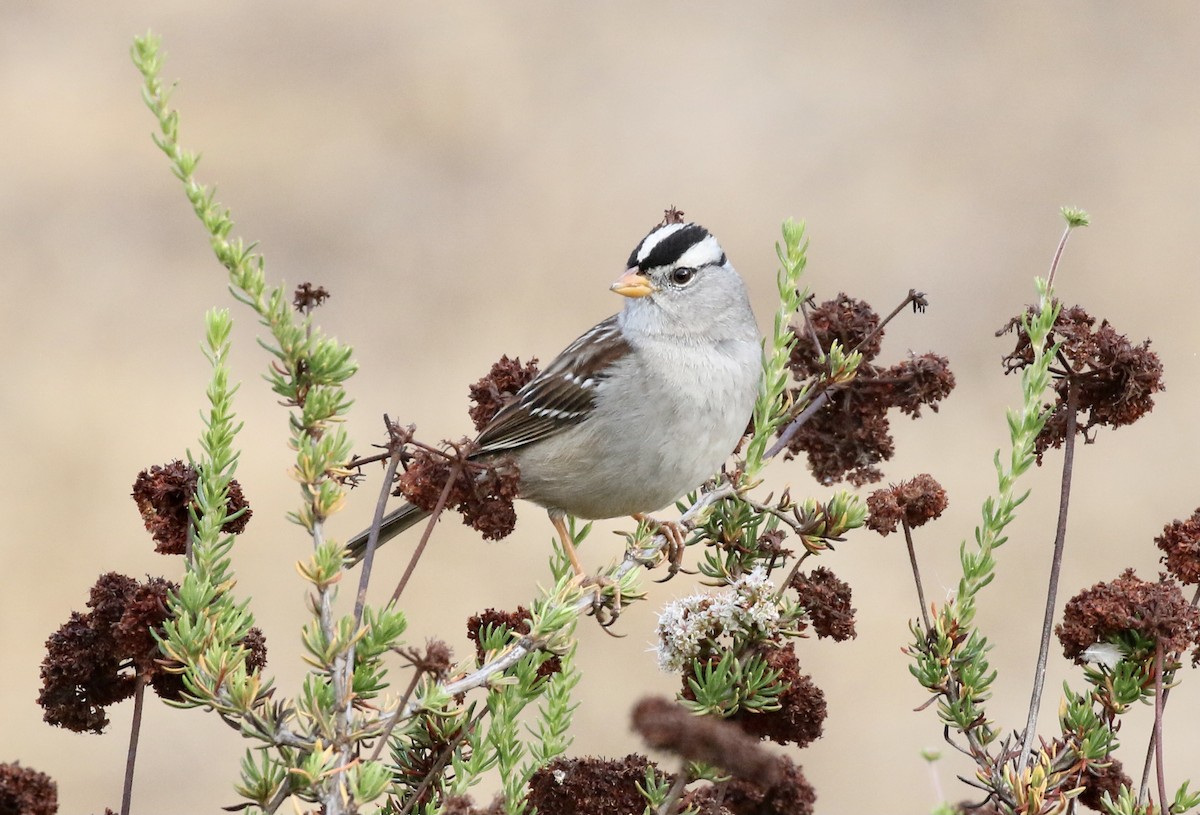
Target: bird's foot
[(676, 537), (606, 601)]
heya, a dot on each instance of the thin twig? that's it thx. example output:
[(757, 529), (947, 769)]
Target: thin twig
[(285, 791), (392, 721), (816, 404), (1062, 244), (385, 491), (791, 575), (1060, 538), (455, 469), (1158, 717), (1166, 694), (358, 462), (913, 296), (912, 558), (440, 764), (135, 729)]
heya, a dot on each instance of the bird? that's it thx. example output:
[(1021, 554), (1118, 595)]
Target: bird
[(643, 407)]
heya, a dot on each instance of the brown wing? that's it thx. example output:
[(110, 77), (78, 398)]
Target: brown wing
[(559, 396)]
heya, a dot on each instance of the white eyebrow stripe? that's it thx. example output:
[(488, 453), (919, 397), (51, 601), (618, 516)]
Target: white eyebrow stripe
[(701, 254)]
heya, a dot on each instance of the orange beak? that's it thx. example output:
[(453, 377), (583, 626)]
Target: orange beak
[(633, 284)]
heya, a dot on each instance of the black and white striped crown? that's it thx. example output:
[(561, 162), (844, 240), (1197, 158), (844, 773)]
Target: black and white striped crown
[(677, 244)]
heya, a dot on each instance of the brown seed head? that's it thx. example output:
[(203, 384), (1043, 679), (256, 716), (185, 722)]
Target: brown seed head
[(826, 599), (25, 791), (1157, 611)]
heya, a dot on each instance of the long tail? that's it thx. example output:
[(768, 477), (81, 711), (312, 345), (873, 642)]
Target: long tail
[(393, 524)]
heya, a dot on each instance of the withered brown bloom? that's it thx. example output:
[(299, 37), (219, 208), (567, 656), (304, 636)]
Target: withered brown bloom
[(307, 297), (164, 496), (1180, 543), (1099, 780), (435, 660), (802, 710), (591, 786), (25, 791), (826, 599), (665, 725), (917, 501), (498, 388), (483, 492), (93, 660), (850, 435), (1157, 612), (1116, 380), (516, 622)]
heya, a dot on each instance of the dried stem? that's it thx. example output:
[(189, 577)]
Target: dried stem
[(912, 558), (816, 404), (455, 469), (1060, 537), (373, 537), (135, 729), (1158, 709), (392, 720), (441, 762), (791, 575), (1062, 244), (1158, 717), (913, 296)]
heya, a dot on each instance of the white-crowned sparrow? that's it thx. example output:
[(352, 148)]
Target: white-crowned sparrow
[(644, 406)]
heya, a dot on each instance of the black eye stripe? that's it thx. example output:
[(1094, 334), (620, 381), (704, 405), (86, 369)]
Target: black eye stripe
[(669, 249)]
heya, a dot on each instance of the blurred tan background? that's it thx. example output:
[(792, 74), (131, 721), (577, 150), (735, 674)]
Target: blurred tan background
[(467, 179)]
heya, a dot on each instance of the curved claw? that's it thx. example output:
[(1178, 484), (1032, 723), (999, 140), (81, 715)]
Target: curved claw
[(605, 612), (676, 537)]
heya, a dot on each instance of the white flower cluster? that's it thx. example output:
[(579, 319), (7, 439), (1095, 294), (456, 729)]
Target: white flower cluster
[(746, 608)]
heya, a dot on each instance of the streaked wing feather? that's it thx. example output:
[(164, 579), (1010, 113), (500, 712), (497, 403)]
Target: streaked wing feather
[(561, 395)]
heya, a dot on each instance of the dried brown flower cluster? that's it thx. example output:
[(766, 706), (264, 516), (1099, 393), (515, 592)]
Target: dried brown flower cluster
[(94, 659), (851, 434), (1180, 543), (826, 600), (801, 713), (436, 659), (1116, 380), (307, 297), (165, 495), (913, 502), (516, 622), (24, 791), (672, 215), (1100, 779), (1157, 612), (590, 786), (482, 492), (498, 388)]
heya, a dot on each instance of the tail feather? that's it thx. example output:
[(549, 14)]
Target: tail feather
[(394, 523)]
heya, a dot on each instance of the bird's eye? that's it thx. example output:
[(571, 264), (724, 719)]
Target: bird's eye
[(682, 275)]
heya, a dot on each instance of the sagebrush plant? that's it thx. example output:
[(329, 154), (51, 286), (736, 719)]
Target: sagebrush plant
[(381, 725)]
